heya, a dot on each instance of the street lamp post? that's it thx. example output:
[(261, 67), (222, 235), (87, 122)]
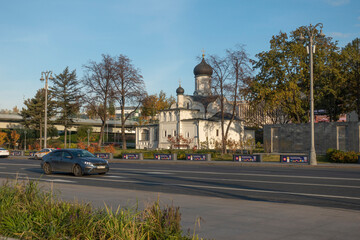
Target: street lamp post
[(311, 50), (25, 141), (48, 75)]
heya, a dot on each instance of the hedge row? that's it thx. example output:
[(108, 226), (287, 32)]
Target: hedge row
[(338, 156)]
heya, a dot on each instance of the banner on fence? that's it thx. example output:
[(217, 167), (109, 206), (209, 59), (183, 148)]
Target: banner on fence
[(103, 155), (294, 159), (132, 156), (162, 156), (246, 158), (16, 153), (197, 157)]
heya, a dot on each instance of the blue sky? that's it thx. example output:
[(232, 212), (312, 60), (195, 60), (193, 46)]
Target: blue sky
[(162, 37)]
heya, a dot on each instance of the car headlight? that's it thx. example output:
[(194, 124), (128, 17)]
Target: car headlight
[(88, 163)]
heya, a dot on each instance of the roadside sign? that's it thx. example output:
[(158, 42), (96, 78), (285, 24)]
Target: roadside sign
[(132, 156), (16, 153), (103, 155), (246, 158), (197, 157), (162, 156), (294, 159)]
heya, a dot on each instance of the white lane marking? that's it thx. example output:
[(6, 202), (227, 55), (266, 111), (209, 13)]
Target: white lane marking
[(48, 180), (12, 173), (158, 173), (270, 182), (113, 176), (226, 188), (25, 164), (244, 174), (258, 181)]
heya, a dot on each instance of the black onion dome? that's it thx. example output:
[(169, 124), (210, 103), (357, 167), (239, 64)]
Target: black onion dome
[(203, 69), (180, 90)]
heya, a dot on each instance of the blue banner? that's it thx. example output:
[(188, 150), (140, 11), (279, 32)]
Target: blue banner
[(160, 156), (15, 153), (131, 156), (294, 159), (102, 155), (246, 158), (196, 157)]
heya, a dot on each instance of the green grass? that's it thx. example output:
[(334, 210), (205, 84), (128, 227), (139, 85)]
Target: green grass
[(27, 212)]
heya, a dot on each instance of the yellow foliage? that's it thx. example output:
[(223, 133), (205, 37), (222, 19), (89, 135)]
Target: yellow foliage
[(3, 138)]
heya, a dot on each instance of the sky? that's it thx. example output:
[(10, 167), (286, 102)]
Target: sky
[(163, 38)]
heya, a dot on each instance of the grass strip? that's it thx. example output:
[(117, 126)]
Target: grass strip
[(27, 212)]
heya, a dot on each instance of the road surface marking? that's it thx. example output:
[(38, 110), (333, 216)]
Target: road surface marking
[(113, 176), (49, 180), (24, 164), (158, 173), (259, 181), (221, 188), (256, 181), (243, 174)]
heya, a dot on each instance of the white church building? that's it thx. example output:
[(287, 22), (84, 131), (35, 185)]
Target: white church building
[(196, 118)]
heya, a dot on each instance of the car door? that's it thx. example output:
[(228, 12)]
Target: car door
[(66, 162), (54, 159)]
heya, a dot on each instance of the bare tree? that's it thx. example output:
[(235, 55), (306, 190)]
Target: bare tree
[(129, 89), (99, 88), (231, 74)]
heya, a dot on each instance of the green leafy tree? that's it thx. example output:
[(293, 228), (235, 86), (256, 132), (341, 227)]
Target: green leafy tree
[(82, 132), (282, 84), (33, 112), (350, 59), (66, 93)]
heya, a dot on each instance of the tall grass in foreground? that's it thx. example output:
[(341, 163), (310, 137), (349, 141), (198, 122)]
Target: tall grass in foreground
[(27, 212)]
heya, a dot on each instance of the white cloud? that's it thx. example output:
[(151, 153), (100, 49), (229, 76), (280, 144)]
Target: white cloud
[(337, 3)]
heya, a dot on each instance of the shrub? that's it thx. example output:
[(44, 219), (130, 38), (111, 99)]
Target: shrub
[(81, 145), (110, 148), (338, 156), (26, 212)]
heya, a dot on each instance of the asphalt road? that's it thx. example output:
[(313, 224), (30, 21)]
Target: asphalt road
[(326, 187), (335, 191)]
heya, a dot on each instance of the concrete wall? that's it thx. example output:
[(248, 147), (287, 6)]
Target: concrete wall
[(295, 138)]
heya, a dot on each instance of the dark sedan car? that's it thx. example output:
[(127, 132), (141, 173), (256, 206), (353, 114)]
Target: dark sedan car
[(76, 161)]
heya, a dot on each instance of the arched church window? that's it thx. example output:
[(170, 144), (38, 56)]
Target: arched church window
[(145, 135), (188, 105)]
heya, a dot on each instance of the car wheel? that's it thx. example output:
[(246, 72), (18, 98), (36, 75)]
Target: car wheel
[(77, 171), (47, 168)]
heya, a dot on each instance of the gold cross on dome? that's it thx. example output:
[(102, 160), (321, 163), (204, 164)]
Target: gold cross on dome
[(203, 51), (179, 82)]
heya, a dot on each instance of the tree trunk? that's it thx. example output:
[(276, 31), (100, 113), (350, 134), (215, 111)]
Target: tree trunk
[(65, 136), (40, 136), (101, 133), (123, 127)]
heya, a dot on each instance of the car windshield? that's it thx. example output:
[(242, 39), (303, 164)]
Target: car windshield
[(82, 153)]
